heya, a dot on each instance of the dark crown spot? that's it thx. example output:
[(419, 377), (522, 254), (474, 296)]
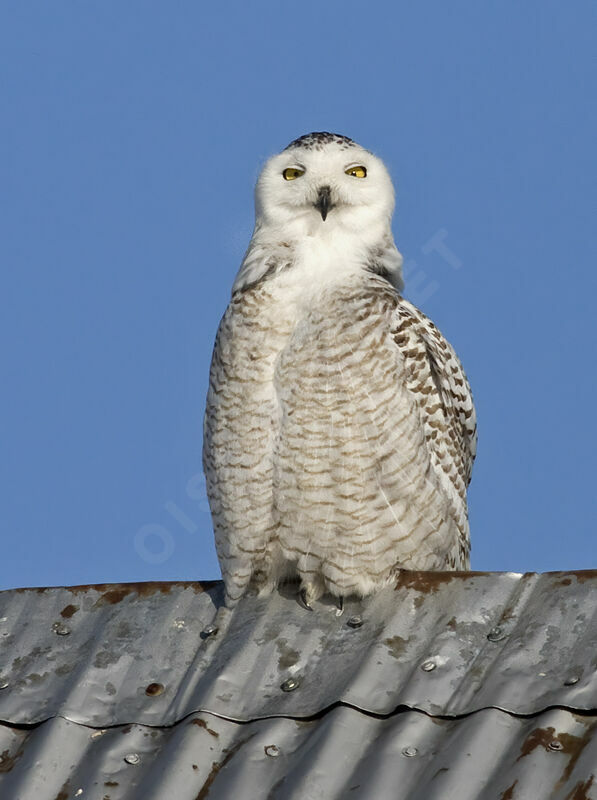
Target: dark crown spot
[(317, 139)]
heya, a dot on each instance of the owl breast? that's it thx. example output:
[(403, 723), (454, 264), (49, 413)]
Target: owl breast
[(353, 489), (316, 455)]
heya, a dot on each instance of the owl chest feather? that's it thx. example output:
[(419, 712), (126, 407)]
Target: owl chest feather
[(309, 366), (325, 422)]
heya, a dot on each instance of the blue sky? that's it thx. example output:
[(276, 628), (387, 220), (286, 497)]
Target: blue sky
[(132, 136)]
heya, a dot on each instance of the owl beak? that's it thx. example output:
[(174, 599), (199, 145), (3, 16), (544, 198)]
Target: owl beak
[(323, 203)]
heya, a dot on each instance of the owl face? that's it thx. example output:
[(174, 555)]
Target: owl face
[(325, 181)]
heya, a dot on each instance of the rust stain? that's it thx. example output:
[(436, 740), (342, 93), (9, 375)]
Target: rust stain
[(540, 737), (112, 594), (426, 582), (7, 761), (117, 594), (571, 746), (396, 645), (217, 766), (111, 783), (508, 793), (201, 723), (585, 575), (64, 791), (127, 728), (144, 589), (68, 611), (429, 582), (580, 791), (507, 614), (581, 575)]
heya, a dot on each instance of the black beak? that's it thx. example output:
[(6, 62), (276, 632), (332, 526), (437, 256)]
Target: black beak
[(323, 203)]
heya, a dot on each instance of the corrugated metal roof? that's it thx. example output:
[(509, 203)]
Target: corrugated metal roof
[(448, 685), (342, 754)]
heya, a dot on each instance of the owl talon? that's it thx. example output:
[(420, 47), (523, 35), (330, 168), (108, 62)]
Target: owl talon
[(340, 608), (304, 601)]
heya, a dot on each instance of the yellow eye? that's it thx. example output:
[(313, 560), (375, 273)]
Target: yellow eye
[(357, 172), (291, 173)]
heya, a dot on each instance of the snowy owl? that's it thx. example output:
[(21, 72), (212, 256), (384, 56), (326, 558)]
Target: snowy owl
[(340, 429)]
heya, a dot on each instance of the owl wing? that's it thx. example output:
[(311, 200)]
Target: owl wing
[(436, 380)]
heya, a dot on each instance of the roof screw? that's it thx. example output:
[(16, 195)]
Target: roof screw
[(428, 666), (3, 683), (132, 758), (355, 622), (409, 752), (568, 682), (209, 630), (272, 750), (555, 744), (154, 689), (496, 634), (290, 684), (79, 792), (60, 629)]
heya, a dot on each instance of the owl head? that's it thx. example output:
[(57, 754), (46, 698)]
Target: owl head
[(326, 202), (324, 179)]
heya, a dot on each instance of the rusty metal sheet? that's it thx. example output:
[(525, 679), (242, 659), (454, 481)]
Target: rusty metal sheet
[(444, 643), (345, 753)]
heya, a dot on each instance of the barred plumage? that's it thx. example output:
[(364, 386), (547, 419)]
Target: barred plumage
[(340, 429)]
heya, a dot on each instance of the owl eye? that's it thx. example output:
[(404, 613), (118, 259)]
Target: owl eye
[(357, 171), (292, 173)]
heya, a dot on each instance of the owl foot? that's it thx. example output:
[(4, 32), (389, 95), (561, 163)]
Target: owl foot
[(340, 606), (304, 600)]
